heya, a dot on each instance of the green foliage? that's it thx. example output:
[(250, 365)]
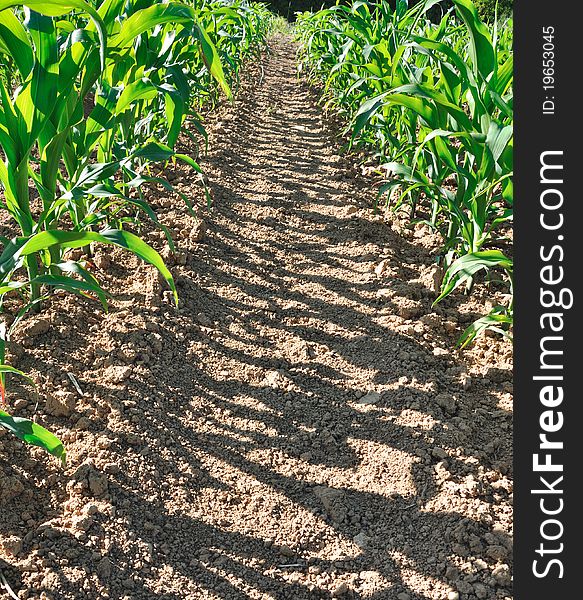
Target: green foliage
[(489, 9), (34, 434), (433, 101)]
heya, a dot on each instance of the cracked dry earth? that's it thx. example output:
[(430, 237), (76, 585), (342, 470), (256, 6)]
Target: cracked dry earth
[(300, 428)]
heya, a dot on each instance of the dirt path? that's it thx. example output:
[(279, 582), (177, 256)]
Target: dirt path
[(298, 429)]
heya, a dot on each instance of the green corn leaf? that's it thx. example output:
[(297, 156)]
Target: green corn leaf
[(464, 268), (148, 18), (212, 60), (50, 8), (142, 89), (366, 112), (8, 369), (25, 429), (31, 433), (481, 48), (110, 10), (64, 283), (15, 42), (90, 283), (498, 138), (499, 317), (419, 91), (22, 247)]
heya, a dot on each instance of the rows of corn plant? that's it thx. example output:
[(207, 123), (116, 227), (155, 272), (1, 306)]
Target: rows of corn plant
[(93, 97), (432, 99)]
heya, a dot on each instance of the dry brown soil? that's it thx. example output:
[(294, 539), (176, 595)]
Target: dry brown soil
[(302, 427)]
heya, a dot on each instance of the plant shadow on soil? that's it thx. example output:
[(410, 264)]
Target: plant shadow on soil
[(234, 417)]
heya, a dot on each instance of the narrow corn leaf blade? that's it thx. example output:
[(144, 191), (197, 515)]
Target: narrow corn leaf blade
[(32, 433), (212, 61), (78, 239), (15, 42), (481, 49)]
